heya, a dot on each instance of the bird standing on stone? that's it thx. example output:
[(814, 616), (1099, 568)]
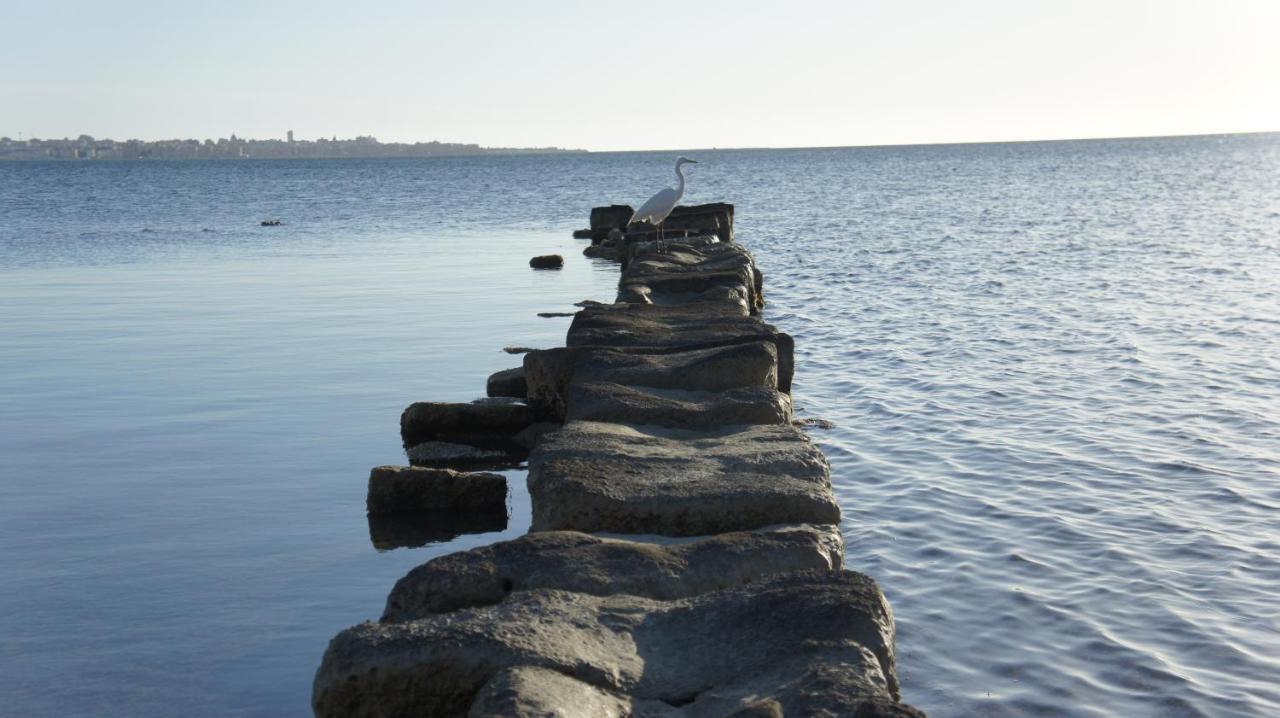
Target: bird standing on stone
[(655, 211)]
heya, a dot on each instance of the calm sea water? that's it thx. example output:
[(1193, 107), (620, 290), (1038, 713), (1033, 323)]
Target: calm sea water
[(1053, 369)]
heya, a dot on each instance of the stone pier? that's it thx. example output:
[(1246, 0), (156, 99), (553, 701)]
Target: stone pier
[(685, 558)]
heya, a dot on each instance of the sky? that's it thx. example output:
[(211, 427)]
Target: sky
[(642, 74)]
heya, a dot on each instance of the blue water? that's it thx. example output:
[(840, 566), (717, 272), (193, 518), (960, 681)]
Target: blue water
[(1053, 370)]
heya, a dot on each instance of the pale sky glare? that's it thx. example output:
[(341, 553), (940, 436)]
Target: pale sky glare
[(647, 74)]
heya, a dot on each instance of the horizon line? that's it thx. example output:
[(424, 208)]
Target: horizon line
[(568, 150)]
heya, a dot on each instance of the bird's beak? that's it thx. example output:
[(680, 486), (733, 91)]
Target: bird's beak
[(692, 162)]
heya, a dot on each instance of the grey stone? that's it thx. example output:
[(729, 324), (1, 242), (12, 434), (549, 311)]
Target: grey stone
[(507, 383), (593, 476), (443, 454), (684, 272), (548, 373), (412, 488), (716, 218), (529, 436), (610, 252), (663, 329), (614, 216), (814, 643), (480, 422), (583, 563), (679, 408), (528, 692)]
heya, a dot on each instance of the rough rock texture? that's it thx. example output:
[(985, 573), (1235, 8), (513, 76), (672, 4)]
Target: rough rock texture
[(664, 329), (544, 693), (592, 476), (413, 488), (548, 373), (481, 422), (678, 408), (508, 383), (686, 273), (814, 643), (583, 563)]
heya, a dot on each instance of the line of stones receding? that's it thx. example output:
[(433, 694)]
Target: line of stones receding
[(684, 558)]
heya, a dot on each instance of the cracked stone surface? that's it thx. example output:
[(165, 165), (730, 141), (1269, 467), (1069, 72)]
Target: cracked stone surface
[(594, 476), (813, 643), (583, 563)]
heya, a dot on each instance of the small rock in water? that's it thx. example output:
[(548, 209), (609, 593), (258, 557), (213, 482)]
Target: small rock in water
[(589, 303), (555, 314), (547, 261), (582, 234), (271, 223), (813, 422), (518, 350)]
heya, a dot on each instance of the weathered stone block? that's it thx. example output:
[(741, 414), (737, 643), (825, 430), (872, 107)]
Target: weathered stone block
[(813, 643), (410, 488), (662, 329), (677, 408), (507, 383), (614, 216), (548, 373), (602, 477), (716, 217), (582, 563), (479, 422)]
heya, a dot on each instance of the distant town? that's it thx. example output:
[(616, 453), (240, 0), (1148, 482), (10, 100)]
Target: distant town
[(86, 147)]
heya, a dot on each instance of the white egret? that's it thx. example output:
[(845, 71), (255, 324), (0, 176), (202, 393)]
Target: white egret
[(655, 211)]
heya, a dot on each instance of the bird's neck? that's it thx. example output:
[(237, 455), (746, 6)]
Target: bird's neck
[(680, 179)]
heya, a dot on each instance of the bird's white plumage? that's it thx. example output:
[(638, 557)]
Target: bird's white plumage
[(659, 206)]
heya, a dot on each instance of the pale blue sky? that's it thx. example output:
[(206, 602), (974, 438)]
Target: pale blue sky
[(641, 75)]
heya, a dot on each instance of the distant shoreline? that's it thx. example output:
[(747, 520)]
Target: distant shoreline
[(86, 148)]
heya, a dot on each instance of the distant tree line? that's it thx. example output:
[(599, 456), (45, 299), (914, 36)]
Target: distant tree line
[(86, 147)]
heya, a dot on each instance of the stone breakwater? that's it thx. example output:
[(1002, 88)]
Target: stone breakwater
[(685, 557)]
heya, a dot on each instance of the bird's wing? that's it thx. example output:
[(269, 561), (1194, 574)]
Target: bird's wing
[(657, 208)]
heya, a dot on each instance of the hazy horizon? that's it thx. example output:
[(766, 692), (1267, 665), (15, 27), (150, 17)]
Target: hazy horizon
[(643, 77), (572, 149)]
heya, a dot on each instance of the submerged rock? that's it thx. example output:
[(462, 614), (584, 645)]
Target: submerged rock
[(813, 643), (395, 489), (547, 261), (583, 563), (593, 476)]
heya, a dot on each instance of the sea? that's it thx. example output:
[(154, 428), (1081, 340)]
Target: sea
[(1051, 372)]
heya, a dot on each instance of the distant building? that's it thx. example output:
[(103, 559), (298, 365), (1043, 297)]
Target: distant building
[(290, 136)]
